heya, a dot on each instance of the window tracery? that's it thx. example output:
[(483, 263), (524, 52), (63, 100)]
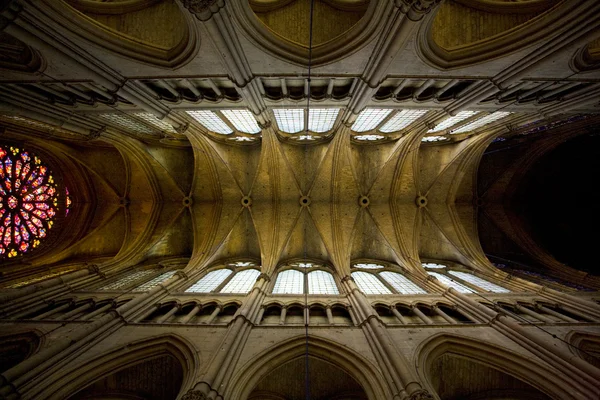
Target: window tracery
[(210, 281), (453, 120), (242, 282), (30, 199), (312, 278), (128, 280), (155, 282), (235, 277), (479, 282), (451, 278), (375, 278)]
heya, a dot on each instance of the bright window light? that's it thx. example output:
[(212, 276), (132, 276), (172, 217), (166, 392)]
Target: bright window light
[(369, 138), (488, 119), (401, 120), (154, 282), (444, 280), (128, 123), (401, 283), (369, 284), (369, 118), (368, 266), (127, 280), (450, 121), (322, 119), (433, 265), (210, 281), (211, 121), (482, 283), (289, 120), (321, 282), (242, 282), (155, 122), (304, 265), (427, 139), (289, 282), (243, 120)]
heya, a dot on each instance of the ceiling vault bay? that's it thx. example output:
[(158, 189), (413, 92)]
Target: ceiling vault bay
[(179, 188)]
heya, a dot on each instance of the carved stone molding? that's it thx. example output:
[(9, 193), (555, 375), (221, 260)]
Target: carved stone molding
[(203, 9), (8, 12), (421, 395), (416, 9)]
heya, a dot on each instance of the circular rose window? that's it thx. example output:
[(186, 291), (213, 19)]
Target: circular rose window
[(29, 201)]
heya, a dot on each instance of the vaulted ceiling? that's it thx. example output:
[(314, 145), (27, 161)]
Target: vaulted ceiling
[(114, 83)]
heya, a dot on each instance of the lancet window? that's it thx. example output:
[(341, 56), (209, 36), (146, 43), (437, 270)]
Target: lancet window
[(293, 122), (301, 277), (375, 278), (236, 124), (237, 277), (140, 281), (378, 124), (462, 281)]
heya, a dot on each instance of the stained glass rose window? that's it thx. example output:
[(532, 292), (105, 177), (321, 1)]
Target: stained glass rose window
[(30, 200)]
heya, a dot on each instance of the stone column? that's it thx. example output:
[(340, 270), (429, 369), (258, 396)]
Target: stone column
[(168, 315), (442, 314), (423, 317), (211, 384), (404, 383), (191, 314), (72, 338)]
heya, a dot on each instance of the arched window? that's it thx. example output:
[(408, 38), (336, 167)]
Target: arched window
[(30, 199), (315, 281), (236, 277), (242, 120), (321, 282), (155, 282), (401, 283), (369, 284), (128, 280), (242, 282), (401, 120), (289, 282), (292, 120), (211, 121), (444, 280), (289, 120), (482, 283), (210, 281), (369, 118), (371, 281)]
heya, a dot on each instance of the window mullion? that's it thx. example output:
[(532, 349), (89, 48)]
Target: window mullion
[(385, 283), (226, 121), (225, 282)]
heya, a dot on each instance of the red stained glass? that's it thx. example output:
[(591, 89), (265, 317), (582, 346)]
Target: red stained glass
[(29, 201)]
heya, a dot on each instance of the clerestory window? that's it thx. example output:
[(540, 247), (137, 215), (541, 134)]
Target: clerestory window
[(303, 277)]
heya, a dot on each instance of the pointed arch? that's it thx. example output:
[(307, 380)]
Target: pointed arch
[(360, 369), (521, 367), (81, 375)]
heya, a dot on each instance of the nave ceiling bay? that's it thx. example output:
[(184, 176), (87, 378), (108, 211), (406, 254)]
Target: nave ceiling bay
[(335, 201)]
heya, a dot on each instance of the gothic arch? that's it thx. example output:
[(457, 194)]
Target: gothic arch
[(585, 345), (105, 24), (365, 373), (127, 355), (501, 359), (544, 21), (339, 47)]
